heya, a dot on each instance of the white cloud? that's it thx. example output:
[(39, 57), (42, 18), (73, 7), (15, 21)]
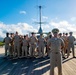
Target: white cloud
[(22, 12), (22, 28), (63, 26)]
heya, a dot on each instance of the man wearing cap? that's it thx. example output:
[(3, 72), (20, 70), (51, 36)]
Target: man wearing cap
[(66, 42), (24, 46), (71, 40), (63, 38), (41, 45), (17, 44), (11, 44), (33, 43), (55, 44), (47, 39), (7, 41)]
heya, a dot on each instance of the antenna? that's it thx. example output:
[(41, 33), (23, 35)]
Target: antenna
[(40, 21), (40, 14)]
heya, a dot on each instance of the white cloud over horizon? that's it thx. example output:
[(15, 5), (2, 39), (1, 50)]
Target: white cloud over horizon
[(23, 28), (63, 26)]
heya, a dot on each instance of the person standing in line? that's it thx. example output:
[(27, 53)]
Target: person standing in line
[(11, 45), (55, 44), (21, 38), (41, 46), (48, 38), (71, 40), (66, 42), (63, 50), (33, 42), (7, 41), (28, 44), (25, 46), (17, 45)]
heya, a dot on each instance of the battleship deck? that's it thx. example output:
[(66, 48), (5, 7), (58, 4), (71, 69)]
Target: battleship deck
[(35, 66)]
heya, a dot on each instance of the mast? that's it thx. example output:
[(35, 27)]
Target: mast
[(40, 14), (40, 22)]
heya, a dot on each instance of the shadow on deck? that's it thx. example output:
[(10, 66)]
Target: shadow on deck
[(36, 66)]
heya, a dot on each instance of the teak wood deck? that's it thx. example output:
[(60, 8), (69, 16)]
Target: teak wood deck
[(36, 66)]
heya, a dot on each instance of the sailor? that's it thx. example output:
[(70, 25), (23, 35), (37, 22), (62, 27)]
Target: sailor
[(48, 49), (41, 45), (11, 44), (25, 46), (63, 38), (7, 41), (49, 36), (33, 43), (71, 40), (55, 44), (17, 44), (28, 51), (66, 42)]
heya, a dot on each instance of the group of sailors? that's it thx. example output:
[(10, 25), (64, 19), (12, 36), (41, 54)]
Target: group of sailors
[(18, 46), (55, 46)]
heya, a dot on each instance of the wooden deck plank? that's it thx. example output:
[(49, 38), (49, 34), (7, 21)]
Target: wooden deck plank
[(37, 66), (16, 67), (3, 65)]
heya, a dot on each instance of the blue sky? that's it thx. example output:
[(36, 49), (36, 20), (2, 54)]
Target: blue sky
[(64, 9), (14, 12)]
